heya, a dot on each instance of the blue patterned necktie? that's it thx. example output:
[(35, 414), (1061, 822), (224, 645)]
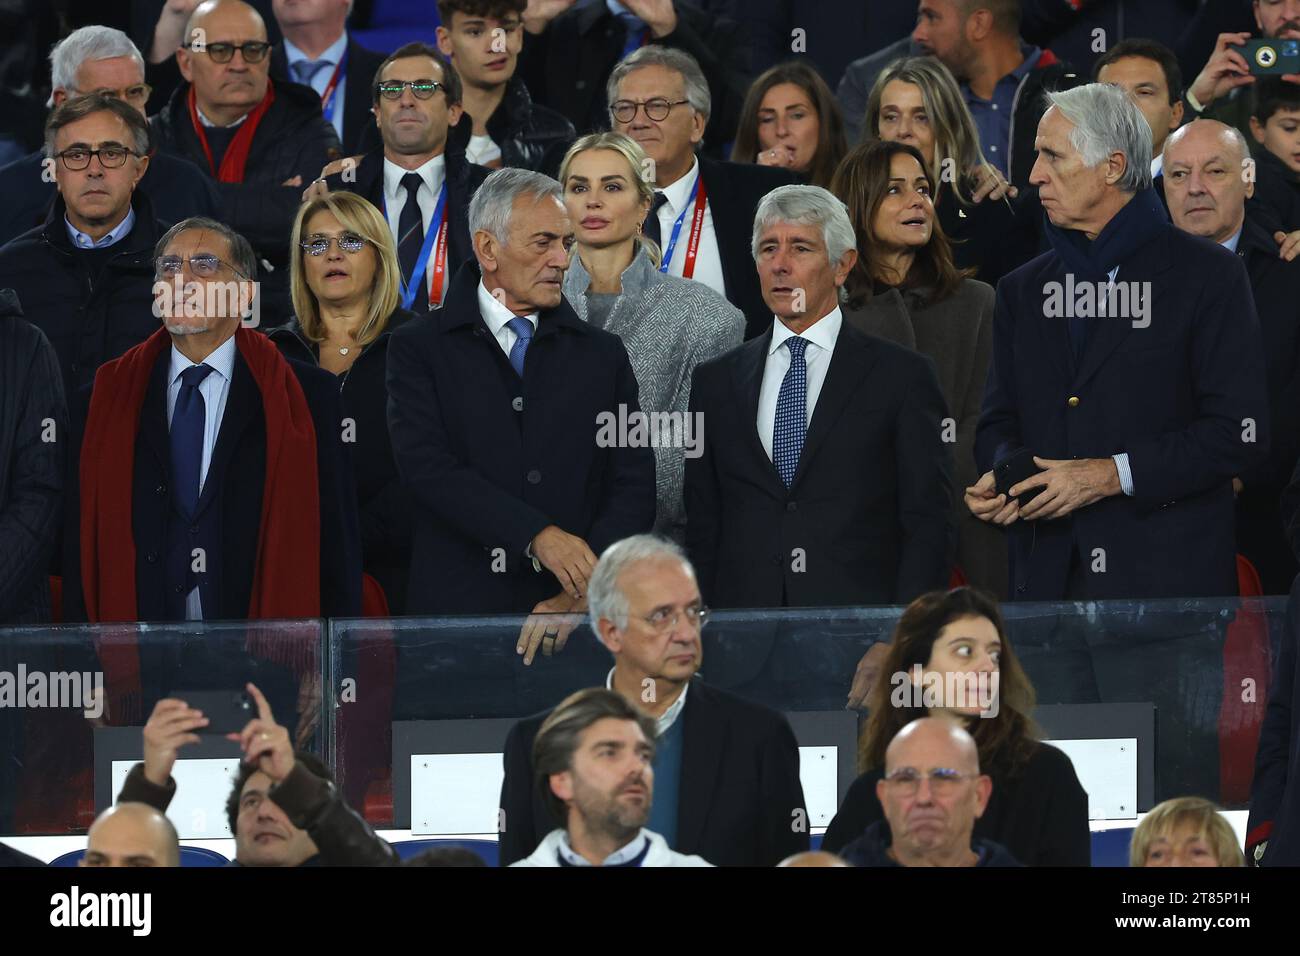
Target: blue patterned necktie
[(791, 413), (188, 420), (523, 330), (307, 70)]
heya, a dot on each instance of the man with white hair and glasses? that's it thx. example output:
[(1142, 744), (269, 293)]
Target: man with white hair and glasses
[(725, 771), (1127, 387)]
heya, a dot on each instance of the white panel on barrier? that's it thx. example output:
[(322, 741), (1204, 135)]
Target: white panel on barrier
[(1107, 769), (817, 773), (455, 794), (198, 811)]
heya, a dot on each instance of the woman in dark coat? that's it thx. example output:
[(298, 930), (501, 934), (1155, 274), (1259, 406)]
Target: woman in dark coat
[(904, 288), (345, 281), (950, 656)]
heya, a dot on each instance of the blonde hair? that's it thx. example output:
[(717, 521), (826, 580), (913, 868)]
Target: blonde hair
[(638, 162), (355, 215), (1202, 815)]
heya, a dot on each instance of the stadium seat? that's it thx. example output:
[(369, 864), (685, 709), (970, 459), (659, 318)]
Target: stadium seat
[(1110, 847), (190, 856), (487, 849)]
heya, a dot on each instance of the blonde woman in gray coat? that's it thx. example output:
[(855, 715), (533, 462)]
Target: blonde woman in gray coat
[(668, 324)]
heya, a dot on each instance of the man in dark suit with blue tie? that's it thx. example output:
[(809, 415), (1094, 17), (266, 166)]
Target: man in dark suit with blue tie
[(824, 477), (1127, 387), (494, 408)]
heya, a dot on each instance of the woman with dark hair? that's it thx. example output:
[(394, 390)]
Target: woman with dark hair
[(904, 287), (791, 119), (950, 657), (916, 101)]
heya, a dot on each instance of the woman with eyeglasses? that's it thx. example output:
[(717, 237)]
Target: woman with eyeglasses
[(917, 102), (791, 120), (950, 657), (668, 324), (344, 282)]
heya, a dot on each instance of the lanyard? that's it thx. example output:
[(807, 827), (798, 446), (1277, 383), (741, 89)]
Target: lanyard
[(437, 233), (700, 199), (327, 97)]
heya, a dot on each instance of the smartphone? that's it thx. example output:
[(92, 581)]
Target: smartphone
[(228, 711), (1011, 471), (1270, 57)]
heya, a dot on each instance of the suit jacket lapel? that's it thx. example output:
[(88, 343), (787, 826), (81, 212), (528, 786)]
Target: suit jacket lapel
[(750, 362), (723, 209), (850, 360), (242, 403), (704, 740)]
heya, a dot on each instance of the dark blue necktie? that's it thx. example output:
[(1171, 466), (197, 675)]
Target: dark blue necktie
[(410, 239), (188, 420), (523, 330), (307, 70), (791, 413)]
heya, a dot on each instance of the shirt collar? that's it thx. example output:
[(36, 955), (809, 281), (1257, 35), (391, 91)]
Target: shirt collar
[(207, 122), (622, 855), (821, 333), (431, 171), (1157, 165), (1233, 241), (616, 8), (665, 721), (116, 234), (678, 194), (221, 360), (1032, 55), (331, 54), (497, 315)]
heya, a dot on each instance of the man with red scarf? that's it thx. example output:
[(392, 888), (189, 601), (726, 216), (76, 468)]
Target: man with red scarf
[(261, 141), (212, 482)]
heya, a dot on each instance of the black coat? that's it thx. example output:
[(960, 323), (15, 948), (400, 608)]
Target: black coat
[(234, 484), (870, 508), (383, 505), (1275, 283), (1277, 189), (734, 191), (1040, 815), (871, 850), (31, 469), (1275, 790), (1173, 395), (992, 237), (177, 189), (1050, 75), (88, 318), (463, 178), (359, 132), (491, 459), (531, 136), (739, 787), (566, 66)]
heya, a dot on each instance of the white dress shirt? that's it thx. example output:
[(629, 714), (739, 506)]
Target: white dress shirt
[(433, 173), (1157, 165), (821, 337), (482, 150), (204, 121), (114, 235), (496, 316), (708, 261), (214, 389), (331, 55), (669, 716)]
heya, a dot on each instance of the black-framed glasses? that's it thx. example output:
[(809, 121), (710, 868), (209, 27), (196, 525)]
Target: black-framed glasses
[(663, 620), (202, 266), (139, 93), (319, 245), (111, 156), (943, 780), (656, 109), (253, 51), (421, 89)]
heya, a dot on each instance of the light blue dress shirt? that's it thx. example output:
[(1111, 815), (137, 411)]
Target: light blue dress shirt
[(114, 235), (333, 53)]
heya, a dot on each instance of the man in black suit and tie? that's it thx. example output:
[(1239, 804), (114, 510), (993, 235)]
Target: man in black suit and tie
[(726, 771), (494, 407), (1127, 387), (704, 208), (825, 478), (419, 177), (317, 51)]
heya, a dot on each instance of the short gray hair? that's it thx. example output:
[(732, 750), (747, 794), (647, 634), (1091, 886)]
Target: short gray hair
[(696, 87), (604, 598), (810, 206), (241, 252), (1106, 121), (81, 46), (494, 200)]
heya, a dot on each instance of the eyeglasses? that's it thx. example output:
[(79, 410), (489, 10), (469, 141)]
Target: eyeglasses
[(319, 245), (202, 266), (423, 89), (253, 51), (77, 158), (663, 620), (657, 109), (131, 94), (943, 781)]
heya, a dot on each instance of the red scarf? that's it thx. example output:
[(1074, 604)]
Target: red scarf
[(236, 156)]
